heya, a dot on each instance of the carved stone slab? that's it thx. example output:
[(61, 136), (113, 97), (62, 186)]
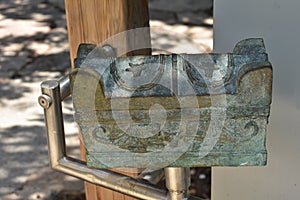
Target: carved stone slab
[(174, 110)]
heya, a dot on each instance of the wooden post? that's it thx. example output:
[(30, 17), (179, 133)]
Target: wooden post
[(94, 21)]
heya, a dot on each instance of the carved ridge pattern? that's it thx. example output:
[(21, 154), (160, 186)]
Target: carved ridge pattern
[(191, 74), (136, 69), (160, 139), (156, 142), (135, 144), (255, 128), (121, 83), (248, 136), (244, 69), (100, 134), (121, 139), (111, 134)]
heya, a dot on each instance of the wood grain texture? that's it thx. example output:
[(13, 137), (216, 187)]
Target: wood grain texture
[(93, 22)]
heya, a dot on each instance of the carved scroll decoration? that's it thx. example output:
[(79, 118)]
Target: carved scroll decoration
[(121, 83)]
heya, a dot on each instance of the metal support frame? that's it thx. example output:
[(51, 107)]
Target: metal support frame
[(177, 182), (53, 93)]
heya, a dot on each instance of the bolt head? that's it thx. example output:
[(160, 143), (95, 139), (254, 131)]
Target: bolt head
[(45, 101)]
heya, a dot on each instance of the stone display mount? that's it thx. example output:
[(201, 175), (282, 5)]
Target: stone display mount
[(226, 127)]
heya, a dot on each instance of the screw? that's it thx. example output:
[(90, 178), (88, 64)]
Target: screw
[(45, 101)]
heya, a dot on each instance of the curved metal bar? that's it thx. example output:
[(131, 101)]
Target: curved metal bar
[(64, 85)]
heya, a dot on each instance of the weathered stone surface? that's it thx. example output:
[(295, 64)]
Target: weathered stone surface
[(176, 110)]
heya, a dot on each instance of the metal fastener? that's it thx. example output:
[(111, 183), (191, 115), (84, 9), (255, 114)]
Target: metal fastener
[(45, 101)]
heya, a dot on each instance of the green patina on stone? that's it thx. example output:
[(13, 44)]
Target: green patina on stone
[(174, 110)]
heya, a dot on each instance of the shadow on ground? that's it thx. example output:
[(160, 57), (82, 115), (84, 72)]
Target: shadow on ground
[(25, 151)]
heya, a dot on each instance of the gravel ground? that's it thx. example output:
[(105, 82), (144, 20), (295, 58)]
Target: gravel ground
[(34, 47)]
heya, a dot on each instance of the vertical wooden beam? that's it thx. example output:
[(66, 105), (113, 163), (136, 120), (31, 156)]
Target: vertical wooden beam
[(94, 21)]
